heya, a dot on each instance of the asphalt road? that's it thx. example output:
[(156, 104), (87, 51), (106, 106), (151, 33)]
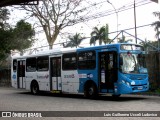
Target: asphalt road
[(20, 100)]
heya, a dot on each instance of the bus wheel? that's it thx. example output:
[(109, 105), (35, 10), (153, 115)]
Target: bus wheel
[(90, 91), (34, 88)]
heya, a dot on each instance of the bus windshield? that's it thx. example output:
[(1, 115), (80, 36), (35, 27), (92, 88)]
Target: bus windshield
[(132, 63)]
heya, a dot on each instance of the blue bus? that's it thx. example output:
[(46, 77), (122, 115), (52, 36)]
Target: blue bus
[(114, 68)]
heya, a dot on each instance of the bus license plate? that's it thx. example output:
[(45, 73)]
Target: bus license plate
[(140, 87)]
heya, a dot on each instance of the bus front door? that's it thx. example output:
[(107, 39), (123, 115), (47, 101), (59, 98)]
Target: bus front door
[(55, 74), (21, 74), (107, 70)]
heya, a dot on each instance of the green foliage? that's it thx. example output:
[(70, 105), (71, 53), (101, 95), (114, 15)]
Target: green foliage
[(156, 24), (147, 47), (4, 33), (5, 43), (75, 40), (22, 35), (158, 91), (154, 43), (18, 38), (4, 16), (100, 34), (153, 86), (123, 40)]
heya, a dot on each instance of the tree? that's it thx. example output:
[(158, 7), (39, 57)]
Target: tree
[(5, 40), (18, 38), (4, 16), (156, 24), (23, 34), (123, 40), (4, 32), (148, 45), (100, 34), (75, 40), (55, 15)]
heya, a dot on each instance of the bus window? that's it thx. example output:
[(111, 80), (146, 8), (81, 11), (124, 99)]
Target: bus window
[(87, 60), (42, 63), (31, 65), (69, 61), (14, 65), (132, 63)]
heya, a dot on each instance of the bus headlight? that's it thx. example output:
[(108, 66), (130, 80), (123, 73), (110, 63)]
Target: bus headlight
[(123, 81), (133, 83), (128, 83)]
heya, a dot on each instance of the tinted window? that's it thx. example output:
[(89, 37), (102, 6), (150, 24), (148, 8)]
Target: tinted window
[(69, 61), (31, 65), (56, 67), (42, 63), (14, 65), (87, 60)]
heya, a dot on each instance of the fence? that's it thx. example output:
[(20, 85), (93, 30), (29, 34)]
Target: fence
[(153, 65), (5, 77)]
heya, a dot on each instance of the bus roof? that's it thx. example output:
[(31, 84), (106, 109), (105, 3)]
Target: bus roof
[(69, 50), (47, 52)]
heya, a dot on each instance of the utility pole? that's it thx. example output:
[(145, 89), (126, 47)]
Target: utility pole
[(135, 22)]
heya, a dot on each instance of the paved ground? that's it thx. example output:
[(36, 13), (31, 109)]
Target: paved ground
[(20, 100)]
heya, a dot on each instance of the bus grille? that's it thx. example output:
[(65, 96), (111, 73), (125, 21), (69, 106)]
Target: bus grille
[(138, 77), (139, 87)]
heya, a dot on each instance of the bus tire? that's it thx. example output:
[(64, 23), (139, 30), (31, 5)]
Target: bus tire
[(34, 88), (90, 91)]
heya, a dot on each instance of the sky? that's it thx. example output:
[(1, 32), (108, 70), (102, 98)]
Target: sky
[(144, 16)]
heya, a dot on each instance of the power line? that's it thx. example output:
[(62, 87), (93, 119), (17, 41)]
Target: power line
[(107, 13)]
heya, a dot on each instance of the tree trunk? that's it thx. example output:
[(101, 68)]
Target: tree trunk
[(50, 47)]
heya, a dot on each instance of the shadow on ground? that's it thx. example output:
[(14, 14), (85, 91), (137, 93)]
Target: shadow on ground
[(122, 98)]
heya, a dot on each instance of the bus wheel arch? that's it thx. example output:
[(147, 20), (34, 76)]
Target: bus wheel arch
[(90, 89), (34, 87)]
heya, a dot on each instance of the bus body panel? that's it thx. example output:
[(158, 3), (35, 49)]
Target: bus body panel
[(57, 83), (14, 73), (29, 77), (132, 83), (85, 75), (43, 80), (70, 81), (14, 79)]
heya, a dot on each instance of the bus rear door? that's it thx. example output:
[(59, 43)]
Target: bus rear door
[(55, 74)]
